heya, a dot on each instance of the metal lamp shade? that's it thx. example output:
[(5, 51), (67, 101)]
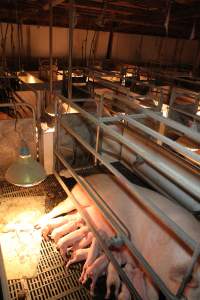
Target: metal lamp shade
[(50, 110), (25, 172)]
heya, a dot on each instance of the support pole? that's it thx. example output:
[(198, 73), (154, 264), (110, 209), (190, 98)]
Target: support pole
[(50, 50), (110, 43), (71, 21)]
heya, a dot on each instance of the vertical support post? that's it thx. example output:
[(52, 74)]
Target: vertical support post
[(98, 132), (28, 47), (110, 42), (71, 21), (50, 50)]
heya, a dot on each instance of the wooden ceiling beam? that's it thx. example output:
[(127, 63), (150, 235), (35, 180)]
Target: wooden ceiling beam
[(54, 3), (111, 7)]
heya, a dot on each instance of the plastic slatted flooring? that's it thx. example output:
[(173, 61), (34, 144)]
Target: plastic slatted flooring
[(52, 281)]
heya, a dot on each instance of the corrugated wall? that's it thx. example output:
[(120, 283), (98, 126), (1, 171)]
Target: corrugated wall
[(128, 48)]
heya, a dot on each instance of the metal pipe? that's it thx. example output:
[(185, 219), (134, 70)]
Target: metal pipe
[(99, 113), (163, 162), (171, 123), (121, 117), (195, 117), (100, 203), (177, 147), (70, 41), (127, 242), (50, 49), (195, 136), (103, 245), (148, 204), (168, 187)]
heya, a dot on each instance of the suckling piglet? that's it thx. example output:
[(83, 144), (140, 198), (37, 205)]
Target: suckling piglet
[(77, 256), (92, 255), (65, 229), (113, 277), (95, 270), (70, 239), (85, 242)]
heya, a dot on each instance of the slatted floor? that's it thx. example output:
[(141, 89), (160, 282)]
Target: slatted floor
[(52, 281)]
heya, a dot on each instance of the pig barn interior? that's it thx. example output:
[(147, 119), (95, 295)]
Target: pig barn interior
[(100, 149)]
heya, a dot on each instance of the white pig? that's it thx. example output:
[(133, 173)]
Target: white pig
[(163, 250)]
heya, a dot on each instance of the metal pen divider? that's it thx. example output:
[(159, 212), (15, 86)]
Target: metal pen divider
[(150, 206), (103, 244), (138, 150)]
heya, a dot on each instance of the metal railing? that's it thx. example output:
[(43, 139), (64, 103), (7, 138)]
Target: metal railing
[(149, 205)]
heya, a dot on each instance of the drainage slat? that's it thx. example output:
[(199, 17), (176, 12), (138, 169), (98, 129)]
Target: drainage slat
[(52, 281)]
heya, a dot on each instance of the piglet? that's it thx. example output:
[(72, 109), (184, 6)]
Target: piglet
[(137, 278), (56, 222), (65, 229), (124, 294), (85, 242), (92, 255), (63, 207), (70, 239), (77, 256), (113, 277), (95, 270), (139, 283)]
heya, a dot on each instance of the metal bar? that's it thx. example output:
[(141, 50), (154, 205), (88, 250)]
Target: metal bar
[(130, 102), (50, 49), (150, 182), (186, 113), (149, 157), (116, 86), (187, 276), (179, 148), (99, 113), (184, 92), (98, 200), (83, 100), (70, 41), (148, 204), (103, 244), (111, 119), (173, 124), (121, 117), (127, 242), (52, 3)]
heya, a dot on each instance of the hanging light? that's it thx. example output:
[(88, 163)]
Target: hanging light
[(50, 109), (25, 171)]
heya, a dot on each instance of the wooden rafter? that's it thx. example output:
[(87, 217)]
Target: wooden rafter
[(132, 16)]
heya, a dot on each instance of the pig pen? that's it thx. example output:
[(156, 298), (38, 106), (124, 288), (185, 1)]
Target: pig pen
[(138, 162), (52, 281), (73, 174)]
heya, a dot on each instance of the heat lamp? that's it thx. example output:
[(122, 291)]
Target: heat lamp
[(25, 171)]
